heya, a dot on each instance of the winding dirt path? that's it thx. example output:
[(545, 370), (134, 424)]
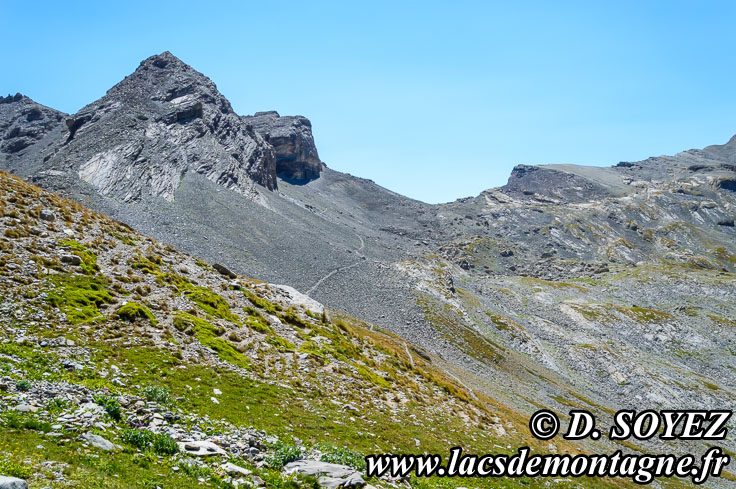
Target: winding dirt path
[(340, 269)]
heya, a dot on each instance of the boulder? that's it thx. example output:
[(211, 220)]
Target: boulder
[(330, 475), (298, 299), (98, 442), (224, 270), (12, 483), (71, 259), (235, 470), (201, 448), (48, 215)]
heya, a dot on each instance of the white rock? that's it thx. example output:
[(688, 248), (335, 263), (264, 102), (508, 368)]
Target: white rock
[(99, 442), (232, 469), (12, 483), (299, 299), (201, 448)]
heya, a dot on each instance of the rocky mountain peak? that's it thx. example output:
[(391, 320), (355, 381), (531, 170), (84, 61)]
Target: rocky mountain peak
[(163, 121)]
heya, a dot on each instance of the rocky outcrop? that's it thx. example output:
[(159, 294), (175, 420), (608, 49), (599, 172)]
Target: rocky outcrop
[(160, 123), (724, 152), (293, 144), (164, 120), (23, 123), (546, 184)]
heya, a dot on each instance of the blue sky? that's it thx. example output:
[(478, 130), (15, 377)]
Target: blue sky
[(434, 100)]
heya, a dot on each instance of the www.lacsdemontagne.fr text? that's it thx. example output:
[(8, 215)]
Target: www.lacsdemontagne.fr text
[(642, 469)]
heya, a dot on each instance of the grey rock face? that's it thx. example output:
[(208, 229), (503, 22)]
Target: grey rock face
[(12, 483), (23, 123), (160, 123), (293, 144), (552, 185), (164, 120)]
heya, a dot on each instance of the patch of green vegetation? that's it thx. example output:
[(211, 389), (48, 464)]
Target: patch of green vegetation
[(156, 393), (256, 321), (158, 443), (27, 421), (148, 264), (446, 320), (12, 467), (79, 296), (125, 239), (132, 311), (110, 405), (111, 470), (211, 303), (209, 336), (504, 323), (722, 320), (35, 363), (644, 314), (371, 376), (89, 258), (311, 348), (262, 303), (341, 455), (282, 344), (290, 316), (592, 312), (553, 284), (283, 453)]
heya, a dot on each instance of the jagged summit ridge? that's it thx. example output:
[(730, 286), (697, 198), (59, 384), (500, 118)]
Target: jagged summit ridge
[(162, 121), (150, 130)]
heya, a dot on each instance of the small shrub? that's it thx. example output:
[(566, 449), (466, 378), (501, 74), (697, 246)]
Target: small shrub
[(156, 393), (133, 311), (163, 444), (110, 404), (341, 455), (56, 405), (23, 385), (159, 443), (283, 453)]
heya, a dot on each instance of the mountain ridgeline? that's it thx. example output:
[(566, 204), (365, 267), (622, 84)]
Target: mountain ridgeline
[(570, 286)]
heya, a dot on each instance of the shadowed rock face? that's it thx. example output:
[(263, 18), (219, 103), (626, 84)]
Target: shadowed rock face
[(23, 123), (293, 144)]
